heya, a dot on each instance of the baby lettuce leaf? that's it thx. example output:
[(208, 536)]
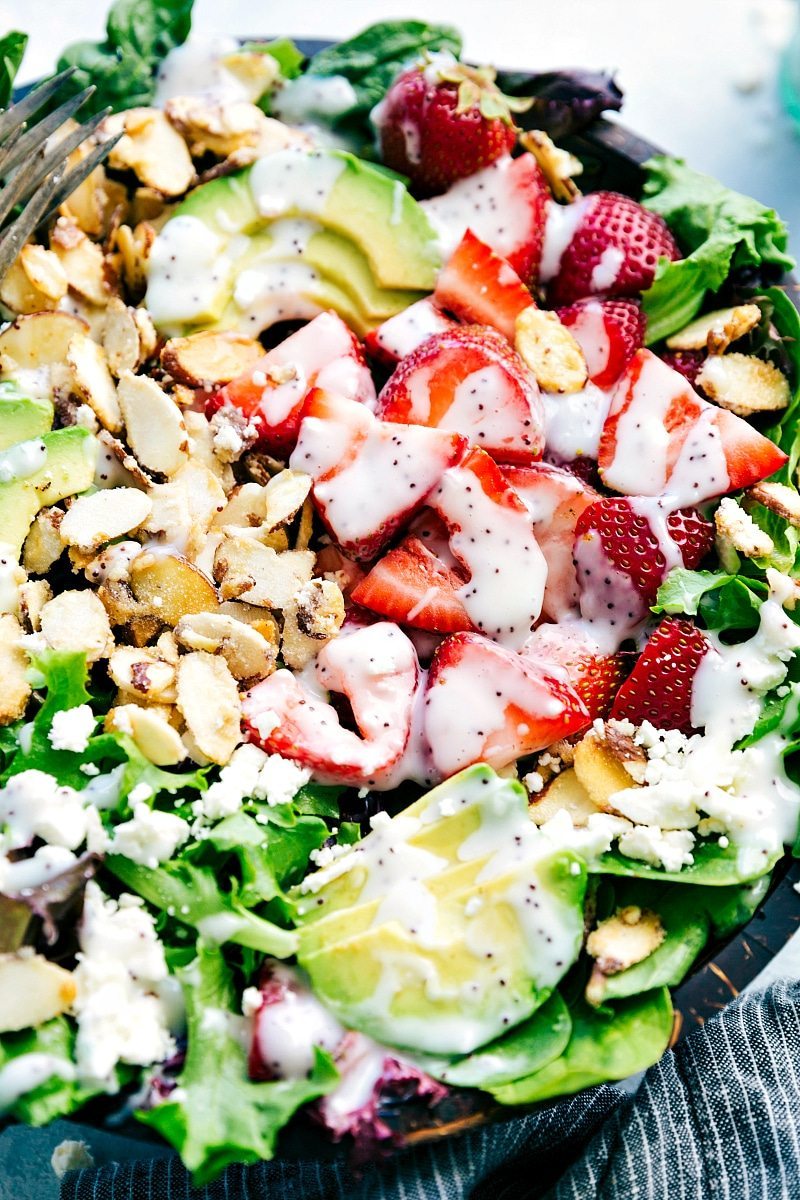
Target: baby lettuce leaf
[(221, 1116), (601, 1047), (718, 229), (713, 866), (271, 858), (525, 1049), (139, 34), (61, 1093), (193, 896), (721, 601), (12, 48)]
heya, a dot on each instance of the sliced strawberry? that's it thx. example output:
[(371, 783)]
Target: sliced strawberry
[(491, 535), (555, 498), (624, 548), (470, 380), (370, 476), (661, 439), (375, 668), (412, 586), (505, 205), (486, 704), (595, 676), (659, 689), (401, 334), (324, 353), (609, 332), (482, 288), (605, 244)]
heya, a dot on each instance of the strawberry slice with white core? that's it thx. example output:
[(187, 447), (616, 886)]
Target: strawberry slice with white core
[(595, 675), (412, 586), (609, 332), (370, 476), (661, 439), (402, 333), (324, 353), (470, 380), (375, 667), (555, 499), (480, 287), (491, 535), (504, 205), (486, 704)]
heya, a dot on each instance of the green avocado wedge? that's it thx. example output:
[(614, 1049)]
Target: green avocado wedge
[(22, 417), (69, 468)]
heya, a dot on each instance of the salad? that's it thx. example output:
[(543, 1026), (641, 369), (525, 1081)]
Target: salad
[(399, 635)]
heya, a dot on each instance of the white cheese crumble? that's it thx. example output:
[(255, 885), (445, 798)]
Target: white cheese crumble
[(33, 805), (141, 792), (151, 837), (251, 774), (72, 728)]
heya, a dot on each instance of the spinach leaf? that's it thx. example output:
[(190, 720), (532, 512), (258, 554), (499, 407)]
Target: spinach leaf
[(525, 1049), (713, 866), (12, 48), (721, 601), (58, 1095), (729, 908), (285, 53), (600, 1048), (271, 858), (719, 229), (220, 1115)]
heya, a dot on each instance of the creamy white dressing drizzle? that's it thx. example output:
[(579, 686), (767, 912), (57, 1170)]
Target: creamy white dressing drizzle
[(197, 69), (311, 98), (574, 423), (562, 222), (294, 181), (28, 1071), (22, 460)]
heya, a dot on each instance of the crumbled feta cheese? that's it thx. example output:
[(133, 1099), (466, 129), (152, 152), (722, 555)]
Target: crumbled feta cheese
[(90, 769), (279, 780), (21, 876), (70, 1155), (33, 805), (141, 792), (151, 837), (328, 854), (251, 1001), (97, 840), (72, 728), (670, 849), (237, 782), (534, 782)]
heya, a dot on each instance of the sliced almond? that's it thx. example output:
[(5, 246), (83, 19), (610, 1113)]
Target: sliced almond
[(211, 127), (19, 292), (93, 381), (151, 732), (122, 340), (208, 698), (249, 655), (716, 330), (246, 507), (184, 508), (93, 520), (628, 937), (44, 271), (33, 595), (13, 671), (779, 498), (607, 764), (247, 570), (201, 447), (32, 991), (152, 149), (743, 384), (40, 339), (737, 531), (142, 672), (550, 351), (82, 260), (209, 359), (77, 622), (251, 614), (558, 166), (285, 495), (255, 71), (564, 791), (169, 587), (153, 424), (116, 465), (314, 616), (134, 247)]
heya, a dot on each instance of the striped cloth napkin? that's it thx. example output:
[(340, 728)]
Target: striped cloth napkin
[(719, 1118)]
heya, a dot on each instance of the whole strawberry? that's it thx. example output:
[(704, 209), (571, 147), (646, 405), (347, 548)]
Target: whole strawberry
[(442, 121)]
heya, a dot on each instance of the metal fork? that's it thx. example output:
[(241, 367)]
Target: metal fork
[(35, 178)]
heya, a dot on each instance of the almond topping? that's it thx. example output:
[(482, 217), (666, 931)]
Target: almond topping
[(153, 424), (93, 520), (744, 384), (208, 698), (550, 351)]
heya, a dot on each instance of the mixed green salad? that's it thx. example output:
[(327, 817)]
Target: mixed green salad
[(398, 560)]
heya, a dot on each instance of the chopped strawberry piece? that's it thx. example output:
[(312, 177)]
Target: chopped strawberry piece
[(624, 549), (412, 586), (401, 334), (609, 332), (491, 535), (482, 288), (470, 380), (370, 476), (486, 704), (595, 676), (555, 498), (375, 668), (324, 353), (659, 689), (505, 205), (606, 244), (661, 439)]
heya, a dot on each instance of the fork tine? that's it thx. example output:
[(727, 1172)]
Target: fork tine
[(18, 113), (18, 233), (37, 135), (76, 176)]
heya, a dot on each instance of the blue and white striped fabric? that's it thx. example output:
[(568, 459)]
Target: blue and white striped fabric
[(716, 1119)]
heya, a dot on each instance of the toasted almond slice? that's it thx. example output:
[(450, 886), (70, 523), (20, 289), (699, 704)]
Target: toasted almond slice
[(18, 293), (607, 764), (305, 526), (550, 350), (153, 424), (44, 270), (246, 507), (77, 622), (118, 467), (564, 791), (779, 498), (121, 338), (151, 732), (247, 653), (82, 260), (247, 570), (148, 337), (209, 359), (13, 671), (628, 937), (260, 619), (737, 531), (313, 617), (201, 447), (211, 127), (558, 166), (134, 246), (169, 586), (93, 381), (184, 508), (208, 698), (93, 520), (141, 671), (113, 564), (40, 339), (152, 149), (716, 330), (32, 991), (33, 595), (285, 495), (256, 72), (743, 384)]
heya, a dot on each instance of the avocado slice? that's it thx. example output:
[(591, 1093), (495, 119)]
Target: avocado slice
[(340, 260), (68, 468), (22, 417)]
